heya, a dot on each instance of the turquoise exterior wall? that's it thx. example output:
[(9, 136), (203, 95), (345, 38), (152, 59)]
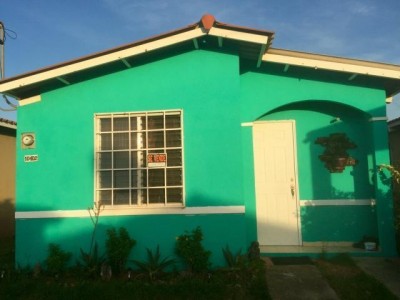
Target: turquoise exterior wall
[(208, 95), (217, 93), (315, 102), (204, 85), (149, 231)]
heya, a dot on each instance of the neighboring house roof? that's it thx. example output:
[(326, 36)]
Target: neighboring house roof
[(251, 44), (394, 125), (8, 123)]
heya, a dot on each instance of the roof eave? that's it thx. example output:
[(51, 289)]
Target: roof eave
[(8, 124), (12, 85), (332, 63)]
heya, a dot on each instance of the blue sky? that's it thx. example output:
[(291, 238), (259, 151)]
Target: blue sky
[(51, 31)]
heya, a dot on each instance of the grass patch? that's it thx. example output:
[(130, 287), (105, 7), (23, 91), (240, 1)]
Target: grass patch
[(349, 282)]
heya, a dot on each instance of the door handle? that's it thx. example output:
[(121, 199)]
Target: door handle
[(292, 189)]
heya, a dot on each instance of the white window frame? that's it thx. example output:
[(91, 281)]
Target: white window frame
[(97, 150)]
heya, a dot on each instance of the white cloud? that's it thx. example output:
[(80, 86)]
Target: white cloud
[(362, 8)]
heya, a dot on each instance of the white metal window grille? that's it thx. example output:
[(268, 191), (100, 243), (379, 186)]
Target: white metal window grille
[(139, 159)]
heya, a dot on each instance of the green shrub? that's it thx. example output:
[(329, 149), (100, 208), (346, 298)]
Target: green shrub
[(190, 249), (118, 247), (57, 259), (234, 260), (91, 262), (154, 264)]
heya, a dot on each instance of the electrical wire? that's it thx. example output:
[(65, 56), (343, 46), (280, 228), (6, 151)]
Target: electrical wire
[(8, 33), (13, 107), (13, 35), (9, 102)]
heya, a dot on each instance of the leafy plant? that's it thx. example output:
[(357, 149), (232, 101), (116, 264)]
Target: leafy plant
[(91, 262), (94, 214), (57, 259), (392, 170), (154, 264), (395, 179), (234, 260), (118, 247), (192, 252)]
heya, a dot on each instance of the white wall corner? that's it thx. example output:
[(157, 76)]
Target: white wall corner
[(30, 100)]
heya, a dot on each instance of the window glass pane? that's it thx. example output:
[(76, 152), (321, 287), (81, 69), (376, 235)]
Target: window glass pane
[(139, 197), (134, 197), (142, 196), (155, 122), (105, 141), (121, 159), (174, 157), (174, 177), (174, 195), (121, 124), (121, 197), (105, 124), (157, 151), (139, 178), (156, 139), (104, 179), (121, 179), (121, 141), (173, 138), (138, 123), (104, 160), (156, 177), (156, 196), (138, 159), (172, 121), (138, 140), (104, 197)]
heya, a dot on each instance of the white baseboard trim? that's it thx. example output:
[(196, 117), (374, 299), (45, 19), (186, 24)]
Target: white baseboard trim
[(328, 244), (201, 210), (338, 202)]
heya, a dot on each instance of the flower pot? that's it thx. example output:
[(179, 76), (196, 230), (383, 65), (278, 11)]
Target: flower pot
[(370, 246)]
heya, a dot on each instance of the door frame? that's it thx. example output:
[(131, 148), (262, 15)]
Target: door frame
[(259, 211)]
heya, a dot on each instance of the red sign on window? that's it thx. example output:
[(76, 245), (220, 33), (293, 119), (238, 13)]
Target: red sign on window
[(156, 160)]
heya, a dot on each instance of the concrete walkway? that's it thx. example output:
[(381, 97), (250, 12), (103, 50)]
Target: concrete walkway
[(297, 282), (306, 282), (386, 270)]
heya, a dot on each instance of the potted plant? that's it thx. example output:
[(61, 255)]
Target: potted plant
[(368, 243), (335, 155)]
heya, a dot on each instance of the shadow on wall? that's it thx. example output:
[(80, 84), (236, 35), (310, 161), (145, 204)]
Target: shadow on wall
[(394, 192), (72, 234), (316, 119), (7, 218)]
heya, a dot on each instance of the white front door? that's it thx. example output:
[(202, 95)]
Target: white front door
[(278, 220)]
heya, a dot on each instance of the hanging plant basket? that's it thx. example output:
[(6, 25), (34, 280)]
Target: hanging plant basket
[(335, 156)]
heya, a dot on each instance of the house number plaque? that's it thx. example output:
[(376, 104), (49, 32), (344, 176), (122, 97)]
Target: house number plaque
[(31, 158)]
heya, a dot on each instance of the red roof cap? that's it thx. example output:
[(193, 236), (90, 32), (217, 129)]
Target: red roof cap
[(208, 21)]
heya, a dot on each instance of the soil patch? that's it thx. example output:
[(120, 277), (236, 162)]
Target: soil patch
[(295, 260)]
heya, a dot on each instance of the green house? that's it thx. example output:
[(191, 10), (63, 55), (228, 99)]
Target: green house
[(208, 126)]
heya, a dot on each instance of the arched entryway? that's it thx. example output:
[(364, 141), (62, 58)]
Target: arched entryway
[(312, 204)]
